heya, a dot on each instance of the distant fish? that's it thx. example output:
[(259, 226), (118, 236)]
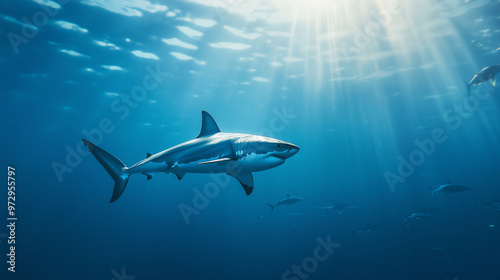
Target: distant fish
[(297, 214), (286, 201), (437, 249), (487, 74), (339, 207), (416, 216), (449, 188), (327, 207), (430, 210), (367, 228), (495, 204)]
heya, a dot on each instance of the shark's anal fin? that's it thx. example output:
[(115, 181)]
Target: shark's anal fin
[(216, 161), (208, 125), (245, 179)]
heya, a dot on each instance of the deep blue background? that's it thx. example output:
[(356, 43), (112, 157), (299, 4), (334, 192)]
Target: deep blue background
[(352, 119)]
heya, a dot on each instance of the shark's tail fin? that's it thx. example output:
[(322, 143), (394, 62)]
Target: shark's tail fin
[(272, 207), (468, 85), (404, 219), (114, 167), (432, 190)]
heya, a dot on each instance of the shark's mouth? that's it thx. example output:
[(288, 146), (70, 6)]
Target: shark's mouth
[(280, 157)]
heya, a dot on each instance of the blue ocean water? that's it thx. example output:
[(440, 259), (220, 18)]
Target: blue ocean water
[(373, 92)]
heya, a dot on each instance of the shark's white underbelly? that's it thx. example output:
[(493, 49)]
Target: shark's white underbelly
[(149, 167), (250, 163)]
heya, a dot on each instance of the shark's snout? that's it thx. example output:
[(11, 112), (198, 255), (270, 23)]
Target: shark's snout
[(292, 150), (284, 151)]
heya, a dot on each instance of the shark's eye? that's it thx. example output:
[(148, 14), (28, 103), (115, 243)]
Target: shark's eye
[(279, 145)]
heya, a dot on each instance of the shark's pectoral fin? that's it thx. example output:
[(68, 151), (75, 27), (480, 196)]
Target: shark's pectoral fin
[(493, 81), (150, 175), (246, 181), (220, 160)]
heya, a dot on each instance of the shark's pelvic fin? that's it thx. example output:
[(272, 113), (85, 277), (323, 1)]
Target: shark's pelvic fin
[(246, 181), (216, 160), (208, 125), (114, 167), (150, 175), (179, 175)]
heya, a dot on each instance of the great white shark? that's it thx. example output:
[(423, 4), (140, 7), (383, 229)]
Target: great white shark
[(212, 151)]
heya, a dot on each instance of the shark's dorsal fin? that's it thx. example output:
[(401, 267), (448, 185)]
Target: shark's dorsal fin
[(449, 181), (208, 125), (287, 195), (148, 155)]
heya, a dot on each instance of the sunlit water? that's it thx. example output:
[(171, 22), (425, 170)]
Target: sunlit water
[(373, 92)]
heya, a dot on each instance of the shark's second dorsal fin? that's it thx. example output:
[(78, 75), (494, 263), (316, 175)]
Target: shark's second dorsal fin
[(208, 125)]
